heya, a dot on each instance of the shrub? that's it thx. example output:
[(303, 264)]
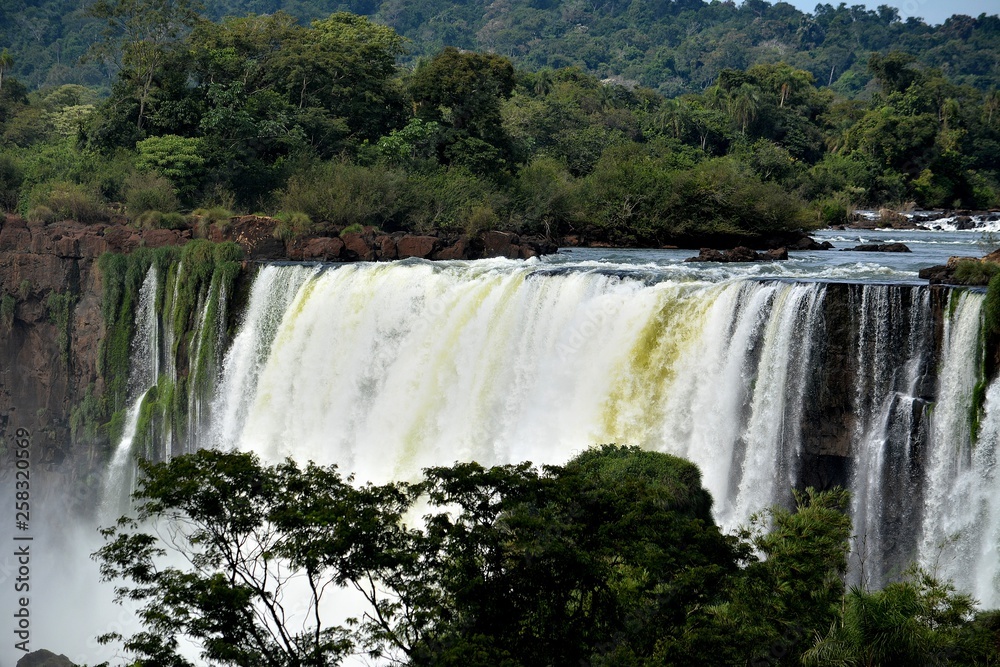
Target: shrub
[(342, 193), (70, 201), (150, 192), (42, 214), (177, 158), (11, 178), (835, 210), (446, 200), (293, 224), (972, 272), (352, 229), (160, 220)]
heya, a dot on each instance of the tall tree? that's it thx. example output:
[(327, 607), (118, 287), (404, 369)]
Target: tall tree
[(6, 62), (138, 39)]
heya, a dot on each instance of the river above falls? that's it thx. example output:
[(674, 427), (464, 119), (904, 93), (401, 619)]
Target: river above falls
[(928, 248)]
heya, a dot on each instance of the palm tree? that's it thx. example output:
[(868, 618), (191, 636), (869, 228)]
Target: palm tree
[(744, 105), (6, 62), (901, 624), (543, 82), (991, 105), (675, 116)]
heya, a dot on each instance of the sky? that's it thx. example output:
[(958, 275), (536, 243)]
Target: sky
[(931, 11)]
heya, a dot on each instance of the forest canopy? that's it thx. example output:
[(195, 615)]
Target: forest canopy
[(342, 120)]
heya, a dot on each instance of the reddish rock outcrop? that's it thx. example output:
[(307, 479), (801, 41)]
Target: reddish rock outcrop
[(416, 246)]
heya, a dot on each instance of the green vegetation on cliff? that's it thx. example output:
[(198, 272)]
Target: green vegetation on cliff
[(194, 284)]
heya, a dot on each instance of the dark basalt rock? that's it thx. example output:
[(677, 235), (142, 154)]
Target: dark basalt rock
[(880, 247), (739, 254), (809, 243)]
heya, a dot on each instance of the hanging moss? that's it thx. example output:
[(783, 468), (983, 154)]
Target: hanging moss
[(8, 305), (86, 417), (60, 307), (189, 275)]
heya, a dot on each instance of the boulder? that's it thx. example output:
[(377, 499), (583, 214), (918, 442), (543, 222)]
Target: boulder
[(119, 238), (880, 247), (416, 246), (739, 254), (889, 218), (358, 246), (157, 238), (254, 233), (387, 248), (323, 249), (457, 250), (936, 275), (501, 244), (953, 261), (809, 243)]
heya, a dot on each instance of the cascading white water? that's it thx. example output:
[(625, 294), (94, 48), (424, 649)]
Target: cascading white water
[(982, 538), (960, 525), (273, 289), (144, 369), (893, 347), (385, 369)]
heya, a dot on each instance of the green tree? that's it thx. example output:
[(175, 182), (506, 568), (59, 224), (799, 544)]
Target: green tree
[(139, 37), (463, 91), (917, 621), (6, 62), (178, 158)]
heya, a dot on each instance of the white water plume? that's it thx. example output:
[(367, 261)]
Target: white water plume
[(948, 522), (386, 369)]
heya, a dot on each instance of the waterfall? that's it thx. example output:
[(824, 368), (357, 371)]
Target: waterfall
[(958, 471), (893, 350), (144, 368), (149, 423), (385, 369)]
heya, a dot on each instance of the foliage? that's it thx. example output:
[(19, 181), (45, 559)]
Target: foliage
[(8, 306), (60, 307), (199, 271), (975, 272), (612, 558), (160, 220), (341, 193), (918, 621), (768, 108), (69, 201), (149, 192), (177, 158)]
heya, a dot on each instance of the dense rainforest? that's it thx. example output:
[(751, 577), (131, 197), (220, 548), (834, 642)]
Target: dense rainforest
[(739, 121)]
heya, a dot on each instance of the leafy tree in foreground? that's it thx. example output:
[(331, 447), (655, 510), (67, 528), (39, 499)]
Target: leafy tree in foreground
[(612, 559)]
